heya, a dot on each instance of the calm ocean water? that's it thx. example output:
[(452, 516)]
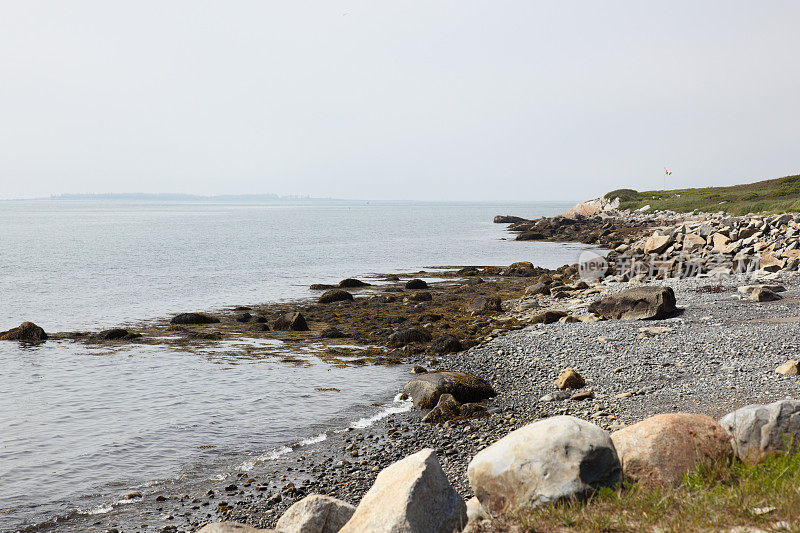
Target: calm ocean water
[(80, 426)]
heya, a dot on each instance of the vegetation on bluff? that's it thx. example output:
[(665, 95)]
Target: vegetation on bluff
[(771, 196)]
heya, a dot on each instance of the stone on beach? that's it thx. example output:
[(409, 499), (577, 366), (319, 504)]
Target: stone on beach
[(232, 527), (335, 295), (763, 294), (659, 450), (315, 514), (291, 321), (789, 368), (446, 344), (550, 316), (759, 430), (412, 495), (25, 332), (553, 459), (416, 284), (483, 305), (193, 318), (426, 389), (638, 303), (569, 379)]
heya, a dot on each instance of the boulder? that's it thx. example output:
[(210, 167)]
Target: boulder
[(409, 335), (426, 389), (447, 408), (721, 242), (759, 430), (291, 321), (315, 514), (412, 495), (657, 244), (421, 296), (115, 334), (25, 332), (789, 368), (693, 241), (638, 303), (770, 263), (243, 317), (508, 219), (763, 294), (536, 288), (351, 283), (322, 286), (416, 284), (335, 295), (659, 450), (446, 344), (193, 318), (332, 333), (569, 379), (481, 305), (548, 317), (232, 527), (556, 458)]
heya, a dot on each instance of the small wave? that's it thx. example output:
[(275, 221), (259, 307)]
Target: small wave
[(100, 509), (313, 440), (403, 407)]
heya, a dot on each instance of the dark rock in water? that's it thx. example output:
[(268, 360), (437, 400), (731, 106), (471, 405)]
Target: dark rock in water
[(409, 335), (292, 321), (260, 319), (241, 308), (332, 333), (243, 317), (508, 219), (416, 284), (193, 318), (638, 303), (259, 326), (351, 283), (25, 332), (530, 236), (484, 305), (392, 277), (421, 296), (111, 334), (446, 344), (335, 295), (548, 317), (426, 389), (321, 287)]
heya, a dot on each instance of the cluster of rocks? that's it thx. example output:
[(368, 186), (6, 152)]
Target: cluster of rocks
[(550, 460)]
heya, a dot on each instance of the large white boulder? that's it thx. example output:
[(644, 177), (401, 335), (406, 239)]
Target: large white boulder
[(412, 495), (315, 514), (758, 430), (232, 527), (549, 460)]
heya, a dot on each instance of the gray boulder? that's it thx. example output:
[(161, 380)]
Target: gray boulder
[(638, 303), (315, 514), (553, 459), (412, 495), (426, 389), (758, 430)]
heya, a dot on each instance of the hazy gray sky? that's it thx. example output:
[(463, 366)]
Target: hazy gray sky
[(460, 100)]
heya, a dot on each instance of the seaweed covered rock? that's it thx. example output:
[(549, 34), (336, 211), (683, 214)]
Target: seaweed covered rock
[(335, 295), (416, 284), (408, 336), (25, 332), (638, 303), (426, 389), (446, 344), (193, 318), (351, 283), (482, 305)]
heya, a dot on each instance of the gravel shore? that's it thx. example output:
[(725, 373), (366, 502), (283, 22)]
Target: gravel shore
[(718, 354)]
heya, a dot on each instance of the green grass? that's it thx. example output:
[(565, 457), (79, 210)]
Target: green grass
[(779, 195), (715, 497)]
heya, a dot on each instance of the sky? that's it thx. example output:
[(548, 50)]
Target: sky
[(405, 100)]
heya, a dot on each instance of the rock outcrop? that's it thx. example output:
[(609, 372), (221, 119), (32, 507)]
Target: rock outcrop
[(25, 332)]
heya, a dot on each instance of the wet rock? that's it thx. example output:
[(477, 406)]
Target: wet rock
[(759, 430), (335, 295), (426, 389), (416, 284), (411, 495), (421, 296), (638, 303), (204, 336), (315, 514), (548, 317), (569, 379), (113, 334), (291, 321), (332, 333), (322, 286), (25, 332), (409, 335), (446, 344), (553, 459), (659, 450), (193, 318), (484, 305), (243, 317), (351, 283)]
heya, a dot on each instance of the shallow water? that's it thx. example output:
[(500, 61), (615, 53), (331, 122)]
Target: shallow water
[(81, 426)]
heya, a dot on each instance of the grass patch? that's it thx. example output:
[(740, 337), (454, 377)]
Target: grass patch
[(768, 196), (715, 497)]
